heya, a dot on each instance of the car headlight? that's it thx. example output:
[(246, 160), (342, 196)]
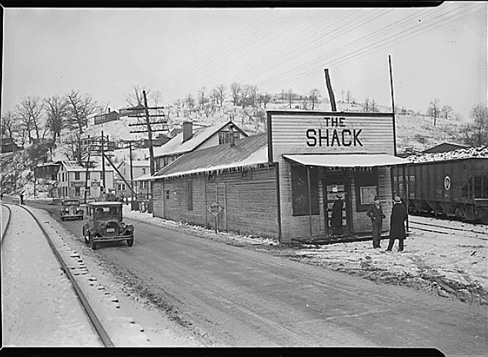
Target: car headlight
[(122, 225), (101, 225)]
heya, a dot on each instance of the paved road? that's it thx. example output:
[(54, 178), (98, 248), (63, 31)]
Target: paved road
[(242, 297)]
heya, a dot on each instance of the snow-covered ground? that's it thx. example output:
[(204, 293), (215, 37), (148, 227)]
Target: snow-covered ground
[(449, 265), (40, 308)]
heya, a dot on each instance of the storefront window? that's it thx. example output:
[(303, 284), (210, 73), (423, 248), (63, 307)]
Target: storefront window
[(366, 183), (300, 192)]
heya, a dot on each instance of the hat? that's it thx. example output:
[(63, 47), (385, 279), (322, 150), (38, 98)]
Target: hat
[(397, 199), (376, 198)]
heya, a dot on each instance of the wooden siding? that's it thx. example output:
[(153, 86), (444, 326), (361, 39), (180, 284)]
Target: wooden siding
[(289, 133), (249, 204)]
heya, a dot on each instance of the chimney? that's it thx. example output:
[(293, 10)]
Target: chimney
[(187, 130)]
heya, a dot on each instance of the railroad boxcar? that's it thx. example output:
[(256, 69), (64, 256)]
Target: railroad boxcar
[(452, 188)]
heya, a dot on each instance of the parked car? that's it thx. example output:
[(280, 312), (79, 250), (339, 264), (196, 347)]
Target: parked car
[(71, 210), (105, 224)]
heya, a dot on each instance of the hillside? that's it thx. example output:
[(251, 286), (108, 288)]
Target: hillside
[(414, 133)]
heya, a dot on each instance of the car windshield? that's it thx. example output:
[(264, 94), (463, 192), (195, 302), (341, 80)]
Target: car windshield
[(107, 211), (71, 203)]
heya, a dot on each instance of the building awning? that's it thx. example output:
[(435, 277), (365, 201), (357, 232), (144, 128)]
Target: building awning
[(347, 160)]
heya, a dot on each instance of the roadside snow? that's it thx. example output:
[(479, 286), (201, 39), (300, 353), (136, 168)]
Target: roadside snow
[(449, 265)]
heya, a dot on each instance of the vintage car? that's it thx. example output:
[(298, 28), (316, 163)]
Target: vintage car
[(71, 210), (105, 224)]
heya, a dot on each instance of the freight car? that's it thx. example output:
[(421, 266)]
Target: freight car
[(450, 188)]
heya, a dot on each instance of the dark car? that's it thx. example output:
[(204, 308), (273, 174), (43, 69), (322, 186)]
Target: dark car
[(71, 210), (105, 224)]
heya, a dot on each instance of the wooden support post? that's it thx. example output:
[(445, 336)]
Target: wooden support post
[(329, 89)]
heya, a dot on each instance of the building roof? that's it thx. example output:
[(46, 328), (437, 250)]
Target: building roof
[(444, 147), (136, 163), (176, 145), (247, 152), (74, 166)]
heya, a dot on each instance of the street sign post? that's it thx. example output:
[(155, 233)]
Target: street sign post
[(215, 209)]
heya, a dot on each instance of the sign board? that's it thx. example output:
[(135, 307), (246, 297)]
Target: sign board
[(215, 209), (303, 132)]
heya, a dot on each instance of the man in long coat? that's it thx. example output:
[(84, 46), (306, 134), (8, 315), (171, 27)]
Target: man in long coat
[(397, 224), (376, 214), (336, 217)]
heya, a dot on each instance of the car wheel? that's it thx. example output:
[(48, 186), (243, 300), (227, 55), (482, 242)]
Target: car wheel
[(130, 242)]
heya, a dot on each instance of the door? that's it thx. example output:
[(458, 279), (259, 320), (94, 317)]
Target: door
[(335, 184)]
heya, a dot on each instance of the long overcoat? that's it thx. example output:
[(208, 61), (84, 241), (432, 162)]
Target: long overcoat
[(397, 221), (336, 217)]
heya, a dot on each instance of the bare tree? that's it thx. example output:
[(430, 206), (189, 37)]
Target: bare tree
[(57, 113), (236, 92), (249, 96), (136, 98), (189, 101), (433, 109), (219, 94), (477, 134), (290, 95), (8, 129), (446, 110), (202, 99), (80, 107), (29, 111), (373, 106), (314, 97), (366, 104)]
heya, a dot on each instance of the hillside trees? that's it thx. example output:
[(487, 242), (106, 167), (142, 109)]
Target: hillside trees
[(79, 108), (29, 111), (434, 109), (218, 95), (314, 97), (477, 133), (235, 92), (8, 127), (57, 114)]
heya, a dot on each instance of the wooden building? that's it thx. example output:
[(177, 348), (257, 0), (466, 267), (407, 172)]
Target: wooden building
[(283, 183), (106, 117)]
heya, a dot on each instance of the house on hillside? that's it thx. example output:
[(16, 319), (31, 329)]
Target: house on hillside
[(8, 145), (72, 179), (104, 118), (189, 140), (444, 147), (284, 183)]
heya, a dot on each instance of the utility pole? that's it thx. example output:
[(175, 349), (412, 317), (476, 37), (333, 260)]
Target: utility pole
[(103, 166), (158, 123)]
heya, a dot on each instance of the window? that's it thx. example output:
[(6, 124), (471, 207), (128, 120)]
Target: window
[(224, 137), (77, 175), (299, 190), (190, 195), (143, 170), (366, 183), (167, 194)]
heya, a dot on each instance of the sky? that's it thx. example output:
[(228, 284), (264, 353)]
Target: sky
[(436, 52)]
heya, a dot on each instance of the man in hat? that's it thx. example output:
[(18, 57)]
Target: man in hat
[(376, 214), (397, 224), (336, 217)]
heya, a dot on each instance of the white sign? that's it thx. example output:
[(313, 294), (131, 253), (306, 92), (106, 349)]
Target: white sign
[(215, 209), (447, 183)]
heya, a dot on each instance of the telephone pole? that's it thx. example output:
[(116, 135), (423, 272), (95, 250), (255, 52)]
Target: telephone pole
[(151, 123)]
